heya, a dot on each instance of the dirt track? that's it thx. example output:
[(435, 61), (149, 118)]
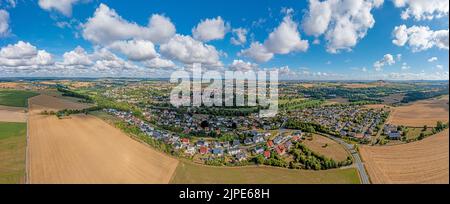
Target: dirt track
[(85, 149), (425, 161)]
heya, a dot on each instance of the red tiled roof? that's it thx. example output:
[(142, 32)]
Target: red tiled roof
[(270, 143), (203, 150), (267, 154)]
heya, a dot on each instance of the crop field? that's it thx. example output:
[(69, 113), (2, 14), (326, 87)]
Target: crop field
[(52, 103), (15, 98), (85, 149), (12, 114), (425, 161), (326, 147), (12, 152), (189, 173), (420, 113)]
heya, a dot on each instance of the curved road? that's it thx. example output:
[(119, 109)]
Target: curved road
[(350, 148), (357, 159)]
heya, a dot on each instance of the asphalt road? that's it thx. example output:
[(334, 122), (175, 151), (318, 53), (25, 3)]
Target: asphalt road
[(356, 159)]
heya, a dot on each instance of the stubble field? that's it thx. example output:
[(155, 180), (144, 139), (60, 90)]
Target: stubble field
[(420, 113), (85, 149), (425, 161)]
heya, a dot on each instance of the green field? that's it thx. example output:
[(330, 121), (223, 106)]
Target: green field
[(189, 173), (12, 152), (15, 98)]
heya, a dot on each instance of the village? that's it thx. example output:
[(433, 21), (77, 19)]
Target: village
[(255, 143)]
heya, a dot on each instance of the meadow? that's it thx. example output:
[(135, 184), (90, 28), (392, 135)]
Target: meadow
[(12, 152), (15, 98), (190, 173)]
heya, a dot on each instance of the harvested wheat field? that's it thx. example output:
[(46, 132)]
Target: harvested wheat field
[(85, 149), (51, 103), (420, 113), (425, 161), (12, 114)]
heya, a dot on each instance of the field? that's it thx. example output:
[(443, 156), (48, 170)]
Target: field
[(15, 98), (326, 147), (85, 149), (52, 103), (189, 173), (420, 113), (12, 152), (12, 114), (425, 161)]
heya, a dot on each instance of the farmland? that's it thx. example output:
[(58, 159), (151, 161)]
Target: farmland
[(15, 98), (425, 161), (12, 114), (91, 152), (12, 152), (187, 173), (420, 113)]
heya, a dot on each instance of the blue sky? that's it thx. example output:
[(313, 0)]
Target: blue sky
[(59, 28)]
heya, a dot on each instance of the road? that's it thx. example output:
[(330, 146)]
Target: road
[(356, 158), (350, 148)]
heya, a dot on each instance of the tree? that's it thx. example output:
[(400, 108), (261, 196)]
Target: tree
[(259, 159)]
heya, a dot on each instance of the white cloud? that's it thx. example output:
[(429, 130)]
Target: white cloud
[(283, 40), (63, 6), (240, 65), (388, 59), (23, 54), (210, 29), (440, 67), (77, 57), (399, 57), (343, 22), (188, 50), (239, 36), (257, 52), (136, 50), (432, 59), (422, 9), (405, 66), (106, 26), (4, 22), (159, 63), (20, 50), (420, 38)]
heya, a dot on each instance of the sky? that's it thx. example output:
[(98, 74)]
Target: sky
[(302, 39)]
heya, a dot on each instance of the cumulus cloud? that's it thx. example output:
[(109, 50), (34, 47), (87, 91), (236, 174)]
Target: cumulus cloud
[(240, 65), (282, 40), (432, 59), (77, 57), (210, 29), (239, 36), (106, 26), (23, 55), (388, 59), (62, 6), (4, 22), (343, 22), (257, 52), (188, 50), (422, 9), (136, 50), (285, 38), (420, 38), (159, 63)]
